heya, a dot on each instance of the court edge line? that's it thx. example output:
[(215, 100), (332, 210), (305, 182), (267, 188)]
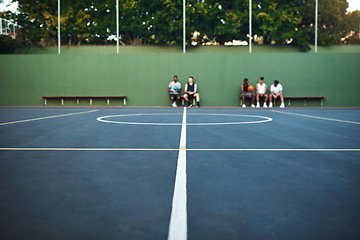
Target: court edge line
[(188, 149), (178, 218), (42, 118), (309, 116)]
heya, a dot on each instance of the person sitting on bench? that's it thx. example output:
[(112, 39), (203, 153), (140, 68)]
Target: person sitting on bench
[(191, 92), (275, 92), (245, 93), (261, 92)]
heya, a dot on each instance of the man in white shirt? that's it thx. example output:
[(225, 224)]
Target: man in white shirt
[(261, 92), (174, 89), (275, 92)]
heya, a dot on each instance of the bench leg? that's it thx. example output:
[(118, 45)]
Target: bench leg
[(45, 101), (90, 101), (107, 101), (77, 101), (124, 101), (62, 101)]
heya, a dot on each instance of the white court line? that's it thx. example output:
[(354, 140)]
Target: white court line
[(178, 219), (188, 149), (88, 149), (282, 149), (309, 116), (42, 118)]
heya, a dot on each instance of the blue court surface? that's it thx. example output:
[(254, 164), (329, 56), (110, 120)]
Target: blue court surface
[(176, 173)]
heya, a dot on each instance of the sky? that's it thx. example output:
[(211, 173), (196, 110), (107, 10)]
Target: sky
[(353, 5)]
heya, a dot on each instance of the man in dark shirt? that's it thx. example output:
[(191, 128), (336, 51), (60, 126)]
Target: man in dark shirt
[(191, 92), (245, 93)]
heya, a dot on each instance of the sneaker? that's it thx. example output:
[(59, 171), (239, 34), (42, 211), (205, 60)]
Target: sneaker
[(282, 105), (252, 105), (258, 105), (190, 105), (265, 105), (244, 106), (270, 105), (173, 104)]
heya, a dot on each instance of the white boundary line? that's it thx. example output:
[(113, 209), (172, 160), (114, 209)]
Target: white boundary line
[(184, 148), (283, 149), (266, 119), (309, 116), (178, 219), (42, 118)]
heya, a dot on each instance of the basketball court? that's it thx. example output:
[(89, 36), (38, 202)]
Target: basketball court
[(161, 173)]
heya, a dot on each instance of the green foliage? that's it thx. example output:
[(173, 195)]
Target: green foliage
[(160, 22)]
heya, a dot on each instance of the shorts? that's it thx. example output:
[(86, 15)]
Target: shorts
[(190, 96), (247, 95), (175, 96)]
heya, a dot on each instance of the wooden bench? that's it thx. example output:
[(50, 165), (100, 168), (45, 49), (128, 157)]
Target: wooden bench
[(79, 97), (321, 98)]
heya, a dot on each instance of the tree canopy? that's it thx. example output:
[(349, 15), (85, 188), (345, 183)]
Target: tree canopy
[(159, 22)]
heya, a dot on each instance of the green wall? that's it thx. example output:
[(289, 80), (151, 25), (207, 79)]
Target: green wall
[(144, 77)]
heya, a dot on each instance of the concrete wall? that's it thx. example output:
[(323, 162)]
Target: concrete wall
[(144, 77)]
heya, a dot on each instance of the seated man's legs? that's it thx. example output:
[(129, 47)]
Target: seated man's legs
[(197, 97), (248, 95), (272, 95), (174, 98), (258, 96)]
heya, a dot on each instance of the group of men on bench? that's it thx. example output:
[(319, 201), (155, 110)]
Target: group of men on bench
[(261, 87), (190, 92)]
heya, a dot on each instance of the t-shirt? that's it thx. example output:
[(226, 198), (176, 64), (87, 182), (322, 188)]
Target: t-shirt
[(276, 90), (171, 86), (261, 88)]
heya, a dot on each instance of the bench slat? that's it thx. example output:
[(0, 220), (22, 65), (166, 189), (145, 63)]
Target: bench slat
[(78, 97)]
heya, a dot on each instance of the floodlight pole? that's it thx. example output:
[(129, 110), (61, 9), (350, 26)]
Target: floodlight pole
[(184, 26), (250, 23), (59, 27), (316, 25), (117, 26)]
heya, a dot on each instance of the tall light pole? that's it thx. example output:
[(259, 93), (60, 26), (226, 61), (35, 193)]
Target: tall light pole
[(59, 43), (117, 26), (184, 26), (316, 24), (250, 25)]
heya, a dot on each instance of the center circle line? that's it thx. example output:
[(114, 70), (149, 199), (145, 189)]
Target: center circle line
[(265, 119)]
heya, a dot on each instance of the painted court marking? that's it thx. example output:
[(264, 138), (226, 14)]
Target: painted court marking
[(42, 118), (187, 149), (322, 118), (178, 219), (262, 119)]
